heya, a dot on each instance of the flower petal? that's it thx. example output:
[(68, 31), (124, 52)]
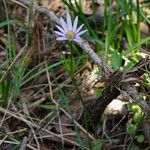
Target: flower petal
[(78, 30), (61, 39), (81, 32), (75, 24), (77, 40), (60, 33), (63, 24), (60, 29), (69, 22)]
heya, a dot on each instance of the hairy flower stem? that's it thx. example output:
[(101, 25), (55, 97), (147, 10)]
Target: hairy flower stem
[(74, 80)]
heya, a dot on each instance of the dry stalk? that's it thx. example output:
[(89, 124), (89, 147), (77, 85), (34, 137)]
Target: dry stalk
[(2, 141), (19, 3), (41, 9), (52, 98), (81, 128), (24, 143), (10, 142), (34, 135), (21, 118), (133, 94)]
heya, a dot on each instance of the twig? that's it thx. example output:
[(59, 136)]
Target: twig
[(71, 118), (52, 98), (5, 137), (136, 98), (87, 48), (34, 135), (24, 143), (19, 3), (21, 118), (50, 136), (117, 124), (11, 142), (104, 131), (14, 132), (43, 10)]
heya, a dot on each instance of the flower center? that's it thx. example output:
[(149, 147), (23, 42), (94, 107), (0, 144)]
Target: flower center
[(70, 35)]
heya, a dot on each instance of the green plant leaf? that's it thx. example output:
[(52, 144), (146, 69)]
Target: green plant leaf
[(47, 106), (116, 60), (98, 144), (140, 138), (40, 72), (131, 129), (134, 148), (98, 92), (10, 22)]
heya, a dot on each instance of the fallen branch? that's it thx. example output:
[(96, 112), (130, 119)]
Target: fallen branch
[(132, 93)]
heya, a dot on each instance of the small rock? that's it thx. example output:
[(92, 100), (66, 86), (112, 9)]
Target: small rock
[(116, 107)]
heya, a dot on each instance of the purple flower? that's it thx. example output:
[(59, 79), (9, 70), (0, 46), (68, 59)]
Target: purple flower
[(69, 31)]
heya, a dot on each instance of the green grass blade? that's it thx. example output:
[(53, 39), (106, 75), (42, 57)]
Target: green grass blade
[(40, 72), (11, 22)]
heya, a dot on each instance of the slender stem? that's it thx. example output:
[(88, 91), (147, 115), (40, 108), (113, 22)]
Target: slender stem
[(86, 114), (74, 80), (78, 91)]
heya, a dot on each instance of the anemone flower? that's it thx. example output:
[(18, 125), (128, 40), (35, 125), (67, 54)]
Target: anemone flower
[(69, 31)]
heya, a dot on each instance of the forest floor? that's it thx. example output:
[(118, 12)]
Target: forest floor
[(58, 95)]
